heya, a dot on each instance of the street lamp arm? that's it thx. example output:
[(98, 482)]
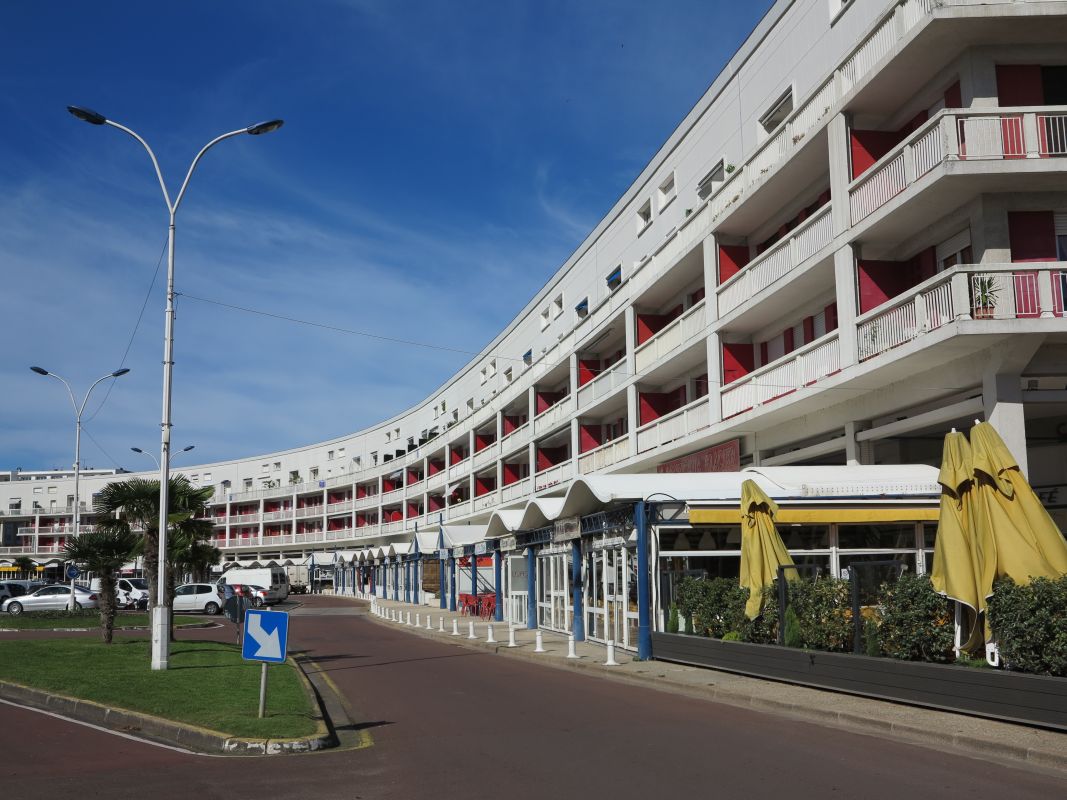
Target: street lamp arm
[(70, 393), (86, 400), (189, 174), (155, 163)]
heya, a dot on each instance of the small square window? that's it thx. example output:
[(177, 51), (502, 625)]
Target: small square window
[(557, 305), (277, 466), (340, 452), (666, 191), (582, 309), (314, 473), (508, 375), (329, 455), (644, 216), (712, 181), (247, 484), (777, 113), (527, 357), (545, 318), (207, 477), (265, 468), (614, 280)]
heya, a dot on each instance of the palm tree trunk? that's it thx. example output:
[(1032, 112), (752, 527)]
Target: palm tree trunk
[(151, 563), (107, 606)]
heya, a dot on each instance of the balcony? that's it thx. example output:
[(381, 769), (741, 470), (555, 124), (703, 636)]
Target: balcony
[(486, 501), (552, 416), (393, 527), (775, 263), (604, 456), (689, 325), (553, 475), (54, 530), (603, 384), (29, 549), (394, 496), (436, 481), (980, 292), (308, 511), (513, 491), (686, 420), (339, 508), (244, 519), (370, 501), (458, 509), (517, 437), (801, 368), (460, 470), (486, 455)]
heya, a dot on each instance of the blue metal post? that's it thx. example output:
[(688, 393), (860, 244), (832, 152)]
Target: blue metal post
[(396, 578), (441, 577), (578, 625), (644, 614), (531, 588), (416, 580), (474, 574), (498, 614), (451, 583)]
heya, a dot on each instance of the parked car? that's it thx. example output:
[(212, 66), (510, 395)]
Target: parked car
[(54, 597), (205, 597), (11, 589), (274, 579), (129, 592), (257, 595)]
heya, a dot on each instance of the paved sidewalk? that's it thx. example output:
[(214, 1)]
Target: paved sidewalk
[(988, 739)]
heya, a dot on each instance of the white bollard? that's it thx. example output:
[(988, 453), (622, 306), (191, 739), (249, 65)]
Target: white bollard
[(570, 647), (470, 629), (428, 622), (418, 620), (409, 619), (539, 644), (511, 636), (392, 615), (455, 627), (489, 634), (610, 661), (440, 624)]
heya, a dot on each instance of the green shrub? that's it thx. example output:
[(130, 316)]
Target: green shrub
[(731, 636), (672, 620), (916, 622), (1030, 624), (872, 644), (793, 636), (823, 608), (716, 606), (689, 624)]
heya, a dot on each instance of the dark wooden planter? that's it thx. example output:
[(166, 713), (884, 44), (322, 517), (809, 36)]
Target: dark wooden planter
[(1012, 696)]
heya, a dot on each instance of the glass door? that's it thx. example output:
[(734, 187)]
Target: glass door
[(553, 587), (595, 597)]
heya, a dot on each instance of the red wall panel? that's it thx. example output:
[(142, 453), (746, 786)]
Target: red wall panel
[(732, 259), (737, 360), (1019, 85), (1032, 235)]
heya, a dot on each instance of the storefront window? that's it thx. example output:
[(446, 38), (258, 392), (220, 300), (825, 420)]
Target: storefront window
[(805, 537), (720, 537), (889, 536)]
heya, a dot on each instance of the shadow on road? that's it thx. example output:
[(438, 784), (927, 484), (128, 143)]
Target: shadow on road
[(386, 663)]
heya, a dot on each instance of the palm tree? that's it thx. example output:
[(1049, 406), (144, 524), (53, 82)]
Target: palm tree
[(25, 564), (103, 553), (137, 502)]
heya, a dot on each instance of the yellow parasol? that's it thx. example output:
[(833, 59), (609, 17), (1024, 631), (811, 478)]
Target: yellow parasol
[(956, 563), (762, 549), (1016, 537)]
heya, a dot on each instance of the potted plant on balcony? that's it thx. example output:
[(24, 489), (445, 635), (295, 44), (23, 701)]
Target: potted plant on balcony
[(984, 299)]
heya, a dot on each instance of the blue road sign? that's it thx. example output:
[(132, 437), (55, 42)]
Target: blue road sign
[(73, 572), (266, 635)]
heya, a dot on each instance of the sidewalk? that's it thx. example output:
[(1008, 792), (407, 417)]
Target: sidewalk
[(976, 737)]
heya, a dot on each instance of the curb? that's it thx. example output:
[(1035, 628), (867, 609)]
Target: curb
[(175, 734), (1054, 760), (187, 626)]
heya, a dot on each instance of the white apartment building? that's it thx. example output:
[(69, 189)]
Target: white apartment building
[(855, 240)]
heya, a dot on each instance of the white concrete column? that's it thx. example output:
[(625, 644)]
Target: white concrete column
[(711, 278), (845, 281), (856, 452), (840, 172), (633, 418), (713, 347), (1003, 399), (531, 399), (575, 439), (572, 378), (631, 340)]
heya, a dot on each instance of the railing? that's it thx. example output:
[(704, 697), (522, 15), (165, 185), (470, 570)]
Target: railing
[(486, 454), (926, 308), (393, 527), (678, 331), (1054, 129), (54, 530), (777, 261), (513, 491), (552, 415), (487, 500), (308, 511), (339, 534), (553, 475), (338, 508), (436, 480), (458, 509), (680, 423), (603, 384), (29, 549), (784, 376), (515, 437), (370, 501), (605, 455), (341, 480), (460, 469), (242, 519)]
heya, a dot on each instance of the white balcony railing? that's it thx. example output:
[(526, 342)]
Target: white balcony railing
[(677, 332), (784, 376), (308, 511), (553, 415), (370, 501), (339, 508), (268, 516), (553, 475), (244, 519), (604, 456), (513, 491), (603, 384), (458, 509), (393, 527), (460, 470), (686, 420), (486, 455), (488, 500), (515, 437), (54, 530), (777, 261), (436, 480), (909, 316)]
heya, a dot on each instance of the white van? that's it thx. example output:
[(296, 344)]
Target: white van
[(273, 579), (127, 590)]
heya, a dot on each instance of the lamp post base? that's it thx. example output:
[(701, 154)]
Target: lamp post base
[(160, 637)]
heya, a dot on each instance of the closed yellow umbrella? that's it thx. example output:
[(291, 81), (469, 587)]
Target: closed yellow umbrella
[(762, 549), (1016, 536), (956, 562)]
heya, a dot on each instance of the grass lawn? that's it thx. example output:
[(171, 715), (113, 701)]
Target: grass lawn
[(208, 683), (86, 618)]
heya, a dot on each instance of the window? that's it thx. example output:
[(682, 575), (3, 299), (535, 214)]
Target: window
[(340, 452), (777, 113), (482, 372), (712, 181), (527, 357), (294, 476), (1060, 221), (277, 466), (37, 490), (837, 7), (265, 468), (51, 489), (248, 484), (492, 368), (557, 305), (614, 280), (955, 250), (207, 477), (644, 216), (582, 309), (470, 405), (508, 375), (314, 473), (329, 455), (545, 318), (666, 192)]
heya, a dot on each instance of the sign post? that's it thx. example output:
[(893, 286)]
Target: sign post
[(72, 573), (266, 639)]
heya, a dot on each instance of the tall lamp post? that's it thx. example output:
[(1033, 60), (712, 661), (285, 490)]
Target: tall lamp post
[(160, 613), (78, 409), (156, 460)]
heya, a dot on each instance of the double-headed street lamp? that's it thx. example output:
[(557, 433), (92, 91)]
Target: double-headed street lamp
[(78, 409), (154, 459), (160, 613)]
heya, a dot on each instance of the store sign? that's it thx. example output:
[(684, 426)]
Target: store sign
[(509, 543), (724, 457), (566, 529), (443, 554), (457, 551), (609, 543), (481, 548)]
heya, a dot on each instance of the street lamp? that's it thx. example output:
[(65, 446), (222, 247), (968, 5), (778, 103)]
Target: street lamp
[(156, 460), (160, 614), (78, 409)]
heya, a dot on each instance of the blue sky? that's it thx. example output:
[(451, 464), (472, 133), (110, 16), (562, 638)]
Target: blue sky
[(438, 163)]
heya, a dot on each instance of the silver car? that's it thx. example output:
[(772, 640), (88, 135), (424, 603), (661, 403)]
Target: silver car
[(49, 598)]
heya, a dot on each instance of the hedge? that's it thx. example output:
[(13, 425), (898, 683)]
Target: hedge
[(1030, 625)]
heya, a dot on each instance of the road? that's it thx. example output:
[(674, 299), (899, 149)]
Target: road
[(451, 722)]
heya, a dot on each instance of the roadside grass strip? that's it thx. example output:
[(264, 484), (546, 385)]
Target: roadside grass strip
[(208, 684), (89, 619)]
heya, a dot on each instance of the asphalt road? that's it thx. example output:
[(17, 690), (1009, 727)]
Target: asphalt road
[(451, 722)]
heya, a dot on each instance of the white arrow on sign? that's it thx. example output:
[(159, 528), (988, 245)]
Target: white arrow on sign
[(269, 644)]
